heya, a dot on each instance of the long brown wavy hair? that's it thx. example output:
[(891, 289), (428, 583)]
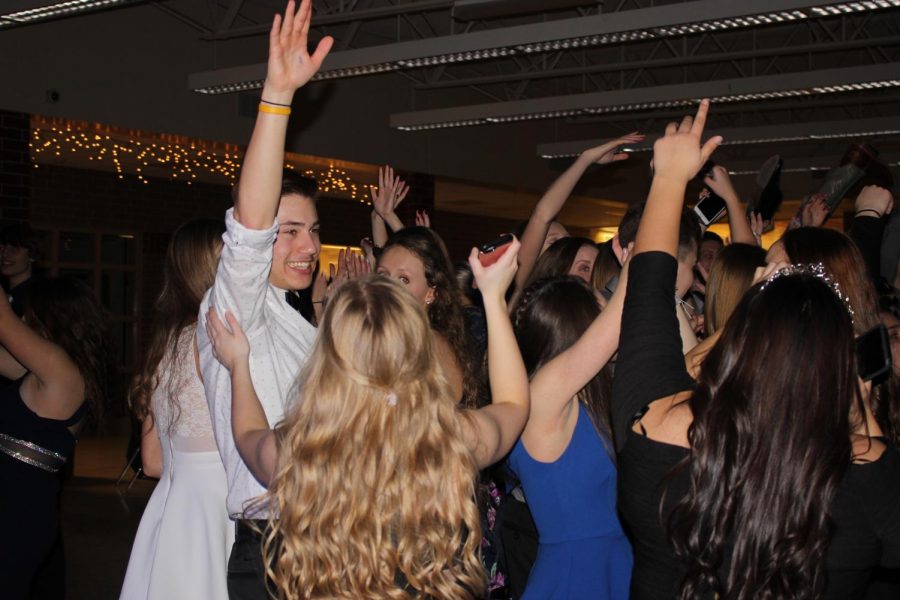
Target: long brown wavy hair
[(445, 313), (374, 494), (66, 312), (770, 444), (189, 270)]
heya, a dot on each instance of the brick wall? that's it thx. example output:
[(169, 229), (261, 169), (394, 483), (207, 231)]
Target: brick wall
[(15, 170)]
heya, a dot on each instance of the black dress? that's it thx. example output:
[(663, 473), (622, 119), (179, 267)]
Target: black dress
[(866, 509), (28, 493)]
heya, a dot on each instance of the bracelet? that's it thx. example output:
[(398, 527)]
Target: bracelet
[(274, 110), (862, 210), (275, 103)]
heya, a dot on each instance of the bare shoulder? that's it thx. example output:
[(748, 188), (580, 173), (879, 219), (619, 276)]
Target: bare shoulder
[(866, 449), (667, 420)]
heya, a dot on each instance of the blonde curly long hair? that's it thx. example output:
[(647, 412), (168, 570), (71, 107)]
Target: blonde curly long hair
[(374, 496)]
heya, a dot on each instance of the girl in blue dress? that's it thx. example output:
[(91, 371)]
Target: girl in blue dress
[(564, 459)]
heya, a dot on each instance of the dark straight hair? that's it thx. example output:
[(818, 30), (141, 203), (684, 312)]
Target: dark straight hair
[(552, 314), (769, 445)]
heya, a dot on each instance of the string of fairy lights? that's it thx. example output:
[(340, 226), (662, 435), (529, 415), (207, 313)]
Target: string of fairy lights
[(178, 159)]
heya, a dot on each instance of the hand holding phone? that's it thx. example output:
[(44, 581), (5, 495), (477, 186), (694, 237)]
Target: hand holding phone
[(489, 253)]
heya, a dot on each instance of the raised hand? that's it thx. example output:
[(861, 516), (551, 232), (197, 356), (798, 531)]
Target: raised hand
[(719, 181), (679, 154), (229, 344), (351, 265), (757, 226), (422, 219), (388, 195), (290, 64), (493, 281), (609, 152), (814, 212)]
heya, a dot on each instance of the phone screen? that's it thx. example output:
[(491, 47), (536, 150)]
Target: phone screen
[(710, 207), (873, 353)]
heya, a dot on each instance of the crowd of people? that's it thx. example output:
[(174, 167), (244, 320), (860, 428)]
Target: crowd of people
[(665, 415)]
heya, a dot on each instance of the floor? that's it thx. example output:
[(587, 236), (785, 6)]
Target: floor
[(99, 518)]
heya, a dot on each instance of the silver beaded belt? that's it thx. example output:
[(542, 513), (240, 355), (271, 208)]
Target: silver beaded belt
[(32, 454)]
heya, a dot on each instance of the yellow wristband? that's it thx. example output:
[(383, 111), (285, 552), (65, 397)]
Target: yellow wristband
[(274, 110)]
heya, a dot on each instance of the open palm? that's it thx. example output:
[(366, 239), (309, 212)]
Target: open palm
[(290, 64)]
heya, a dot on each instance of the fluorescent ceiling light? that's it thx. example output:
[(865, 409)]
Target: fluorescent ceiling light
[(767, 134), (582, 32), (785, 85), (21, 12)]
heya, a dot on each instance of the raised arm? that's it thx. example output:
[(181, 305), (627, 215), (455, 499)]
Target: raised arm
[(867, 229), (254, 440), (59, 386), (390, 193), (290, 66), (491, 431), (548, 207), (719, 182), (677, 157), (557, 382), (651, 363)]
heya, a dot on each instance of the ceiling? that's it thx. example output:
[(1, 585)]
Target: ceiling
[(800, 78)]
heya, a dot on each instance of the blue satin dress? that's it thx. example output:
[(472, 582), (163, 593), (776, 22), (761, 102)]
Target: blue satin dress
[(583, 552)]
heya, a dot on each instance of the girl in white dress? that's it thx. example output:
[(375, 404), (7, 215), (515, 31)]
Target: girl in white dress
[(182, 544)]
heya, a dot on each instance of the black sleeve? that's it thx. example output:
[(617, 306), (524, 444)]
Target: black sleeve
[(866, 232), (650, 363)]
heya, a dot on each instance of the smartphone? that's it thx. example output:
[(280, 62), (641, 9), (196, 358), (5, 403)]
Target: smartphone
[(710, 207), (489, 253), (873, 353)]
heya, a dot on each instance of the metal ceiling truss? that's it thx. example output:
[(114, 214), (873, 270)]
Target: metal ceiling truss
[(736, 90), (783, 133), (673, 23), (798, 45)]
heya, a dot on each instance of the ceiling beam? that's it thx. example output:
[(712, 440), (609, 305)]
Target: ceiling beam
[(789, 132), (348, 16), (676, 61), (783, 85), (651, 23)]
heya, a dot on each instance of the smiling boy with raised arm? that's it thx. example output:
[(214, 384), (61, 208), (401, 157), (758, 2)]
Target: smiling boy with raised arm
[(271, 247)]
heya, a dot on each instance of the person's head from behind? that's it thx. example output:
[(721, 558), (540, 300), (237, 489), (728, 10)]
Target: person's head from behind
[(67, 313), (374, 403), (781, 382), (295, 253), (567, 256), (841, 258), (688, 243), (606, 267), (465, 281), (730, 275), (711, 244), (190, 268), (551, 315), (19, 246)]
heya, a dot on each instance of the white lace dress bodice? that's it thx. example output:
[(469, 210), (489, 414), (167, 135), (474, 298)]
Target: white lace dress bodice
[(182, 544)]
